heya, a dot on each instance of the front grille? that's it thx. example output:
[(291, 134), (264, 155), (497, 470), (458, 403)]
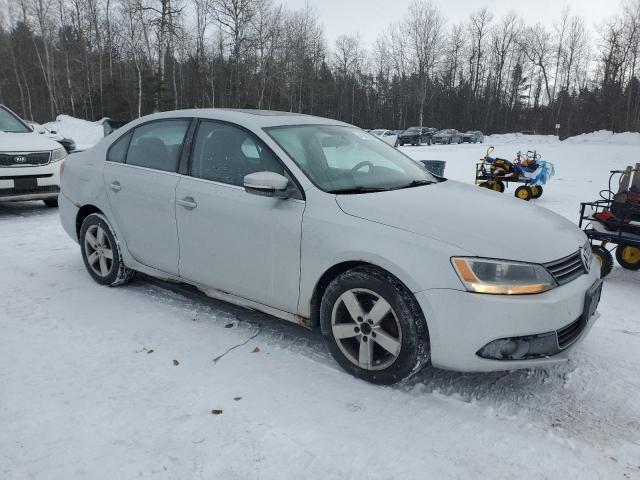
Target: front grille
[(569, 334), (28, 159), (567, 268)]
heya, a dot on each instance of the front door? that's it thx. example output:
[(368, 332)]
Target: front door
[(243, 244), (140, 178)]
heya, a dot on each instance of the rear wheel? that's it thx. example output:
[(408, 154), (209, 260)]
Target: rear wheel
[(628, 256), (603, 258), (536, 191), (523, 193), (373, 326), (101, 252), (497, 186), (51, 202)]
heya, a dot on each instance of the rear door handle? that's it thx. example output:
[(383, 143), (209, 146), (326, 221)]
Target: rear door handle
[(187, 202), (115, 186)]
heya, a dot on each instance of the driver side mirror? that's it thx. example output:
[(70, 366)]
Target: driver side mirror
[(267, 184)]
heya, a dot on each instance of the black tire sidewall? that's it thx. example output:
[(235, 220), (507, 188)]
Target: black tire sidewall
[(96, 219), (607, 259), (414, 352)]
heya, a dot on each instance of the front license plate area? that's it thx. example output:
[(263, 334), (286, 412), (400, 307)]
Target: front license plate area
[(591, 300), (25, 184)]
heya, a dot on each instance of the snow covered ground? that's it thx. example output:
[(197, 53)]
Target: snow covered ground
[(90, 388)]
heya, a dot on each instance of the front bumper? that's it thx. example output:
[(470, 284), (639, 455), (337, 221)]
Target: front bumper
[(461, 323), (30, 183)]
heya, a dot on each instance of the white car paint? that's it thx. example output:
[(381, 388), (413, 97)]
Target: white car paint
[(270, 253), (47, 177), (386, 136)]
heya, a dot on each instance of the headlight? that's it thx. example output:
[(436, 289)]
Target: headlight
[(58, 154), (501, 277)]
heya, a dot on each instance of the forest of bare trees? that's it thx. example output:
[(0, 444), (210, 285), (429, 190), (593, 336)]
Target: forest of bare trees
[(126, 58)]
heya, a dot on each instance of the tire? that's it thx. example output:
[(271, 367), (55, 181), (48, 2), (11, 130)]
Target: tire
[(603, 258), (51, 202), (97, 244), (449, 142), (403, 327), (536, 191), (523, 192), (628, 256), (497, 186)]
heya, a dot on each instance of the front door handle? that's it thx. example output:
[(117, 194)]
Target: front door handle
[(115, 186), (187, 202)]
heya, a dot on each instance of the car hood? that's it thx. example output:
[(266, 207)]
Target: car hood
[(475, 220), (26, 142)]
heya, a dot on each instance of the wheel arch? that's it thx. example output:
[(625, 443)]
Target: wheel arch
[(330, 274), (83, 213)]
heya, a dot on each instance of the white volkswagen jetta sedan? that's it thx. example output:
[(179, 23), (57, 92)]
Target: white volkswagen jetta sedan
[(317, 222), (29, 163)]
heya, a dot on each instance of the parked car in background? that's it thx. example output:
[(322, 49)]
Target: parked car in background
[(390, 292), (472, 136), (447, 136), (387, 136), (29, 162), (68, 144), (415, 136)]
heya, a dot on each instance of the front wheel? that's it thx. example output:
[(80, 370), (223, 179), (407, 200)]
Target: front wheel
[(628, 256), (523, 193), (373, 326), (101, 252)]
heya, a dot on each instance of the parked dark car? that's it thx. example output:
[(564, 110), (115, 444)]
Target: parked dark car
[(415, 136), (473, 136), (447, 136), (68, 144)]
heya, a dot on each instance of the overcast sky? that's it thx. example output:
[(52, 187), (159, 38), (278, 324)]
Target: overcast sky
[(370, 17)]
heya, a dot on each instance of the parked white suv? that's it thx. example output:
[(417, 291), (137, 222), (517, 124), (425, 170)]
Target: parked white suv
[(29, 162), (319, 223)]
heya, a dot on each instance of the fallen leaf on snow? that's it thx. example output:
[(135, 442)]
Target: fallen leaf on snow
[(150, 351), (229, 325), (215, 411), (255, 350), (237, 398), (176, 363)]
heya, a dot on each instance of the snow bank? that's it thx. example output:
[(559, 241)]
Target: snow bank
[(520, 138), (84, 133), (606, 136)]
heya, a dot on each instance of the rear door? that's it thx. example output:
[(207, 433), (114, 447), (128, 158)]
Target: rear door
[(240, 243), (141, 179)]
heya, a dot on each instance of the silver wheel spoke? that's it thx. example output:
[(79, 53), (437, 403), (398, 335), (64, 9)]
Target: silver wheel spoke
[(353, 306), (344, 330), (91, 240), (104, 269), (379, 311), (93, 258), (365, 356), (107, 253), (387, 342), (100, 236)]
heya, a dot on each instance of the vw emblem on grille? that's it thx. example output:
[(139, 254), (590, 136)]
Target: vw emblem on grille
[(20, 159), (586, 258)]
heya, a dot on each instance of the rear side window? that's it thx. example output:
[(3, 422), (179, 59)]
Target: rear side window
[(118, 151), (158, 144)]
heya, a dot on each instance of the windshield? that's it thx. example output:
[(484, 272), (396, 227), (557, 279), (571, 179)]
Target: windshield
[(10, 123), (340, 159), (412, 130)]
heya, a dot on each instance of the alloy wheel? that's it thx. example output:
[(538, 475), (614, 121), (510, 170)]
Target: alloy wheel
[(366, 329), (98, 250)]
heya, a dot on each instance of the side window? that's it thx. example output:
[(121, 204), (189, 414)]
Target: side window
[(225, 153), (158, 144), (118, 151)]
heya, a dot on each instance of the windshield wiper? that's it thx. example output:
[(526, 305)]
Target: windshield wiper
[(415, 183), (359, 189)]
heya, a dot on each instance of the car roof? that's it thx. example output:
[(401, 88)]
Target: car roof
[(246, 117)]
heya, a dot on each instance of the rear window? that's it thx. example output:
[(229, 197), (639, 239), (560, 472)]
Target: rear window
[(158, 144)]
